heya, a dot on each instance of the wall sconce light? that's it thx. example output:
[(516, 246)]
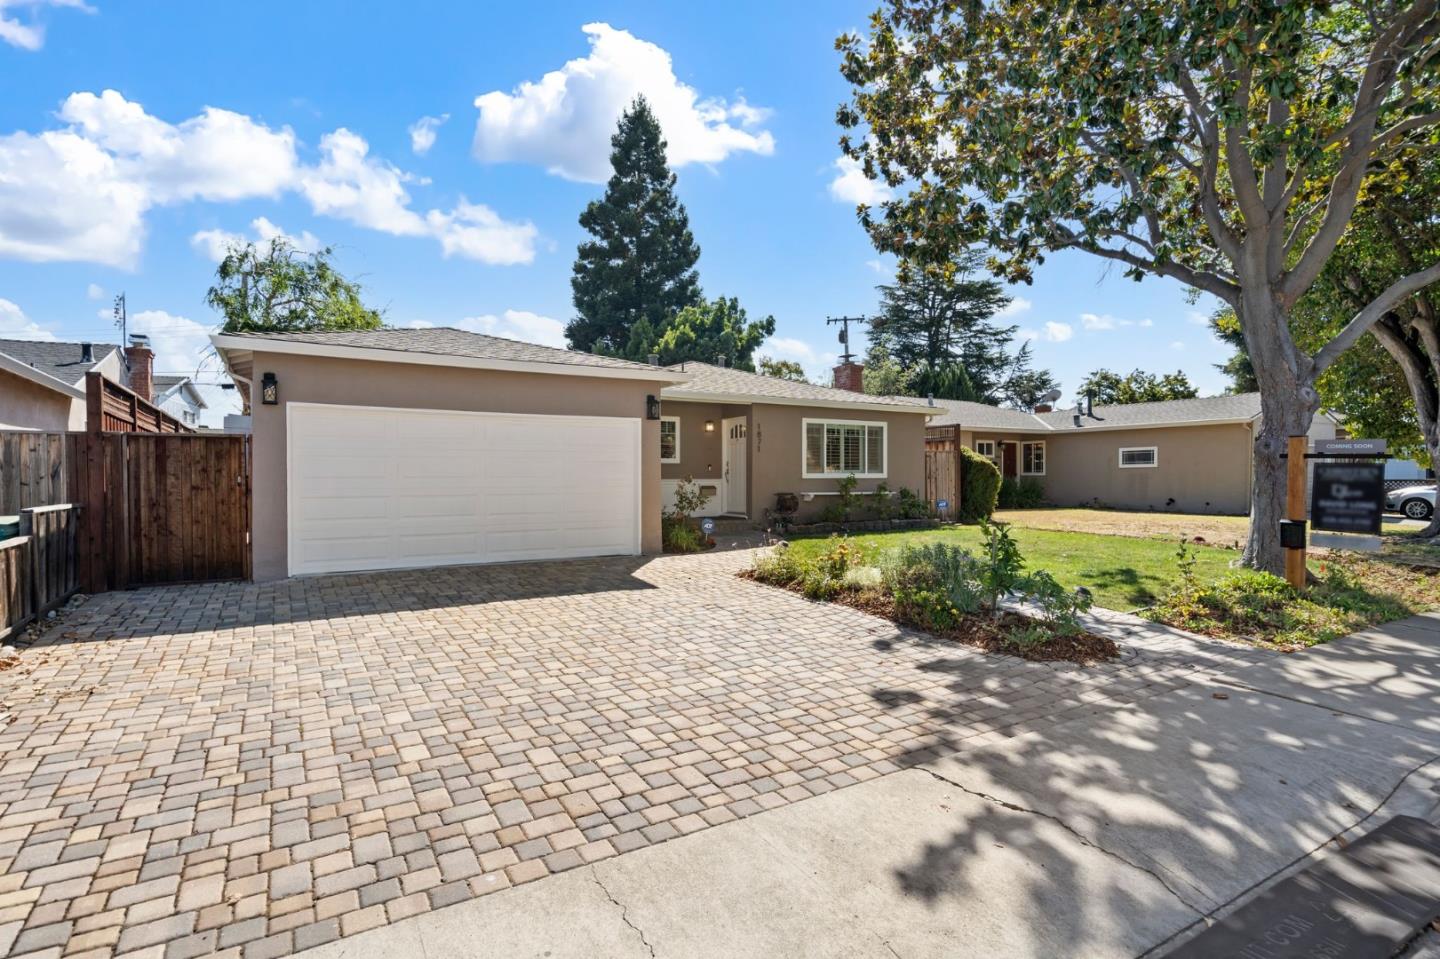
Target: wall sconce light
[(652, 407), (269, 389), (709, 426)]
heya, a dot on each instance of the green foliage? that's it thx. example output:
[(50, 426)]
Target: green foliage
[(979, 487), (781, 369), (909, 504), (639, 264), (279, 289), (1027, 492), (1059, 608), (681, 537), (934, 584), (818, 577), (1137, 387), (678, 530), (881, 503), (690, 499), (1002, 567), (704, 332), (884, 375), (1225, 326)]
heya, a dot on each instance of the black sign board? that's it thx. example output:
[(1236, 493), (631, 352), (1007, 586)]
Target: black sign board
[(1348, 497), (1363, 902)]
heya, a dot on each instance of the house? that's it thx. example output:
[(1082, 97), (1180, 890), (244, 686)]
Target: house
[(42, 384), (401, 448), (1189, 456), (178, 396)]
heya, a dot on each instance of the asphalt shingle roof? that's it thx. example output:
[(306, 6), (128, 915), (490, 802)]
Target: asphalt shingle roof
[(1238, 406), (708, 381), (60, 360), (446, 341)]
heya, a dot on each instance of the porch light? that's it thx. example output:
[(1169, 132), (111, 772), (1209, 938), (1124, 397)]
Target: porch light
[(652, 407), (709, 426), (269, 389)]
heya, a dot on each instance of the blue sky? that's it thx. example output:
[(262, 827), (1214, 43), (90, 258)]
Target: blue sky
[(307, 118)]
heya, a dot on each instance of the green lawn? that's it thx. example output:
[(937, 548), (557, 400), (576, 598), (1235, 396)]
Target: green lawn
[(1123, 572)]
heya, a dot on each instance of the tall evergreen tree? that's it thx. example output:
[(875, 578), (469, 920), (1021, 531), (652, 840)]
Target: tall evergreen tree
[(1109, 388), (640, 263)]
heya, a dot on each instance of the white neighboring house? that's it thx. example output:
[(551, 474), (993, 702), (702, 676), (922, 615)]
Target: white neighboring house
[(178, 396)]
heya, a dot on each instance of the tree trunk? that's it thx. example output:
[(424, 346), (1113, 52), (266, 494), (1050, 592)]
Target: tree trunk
[(1288, 401)]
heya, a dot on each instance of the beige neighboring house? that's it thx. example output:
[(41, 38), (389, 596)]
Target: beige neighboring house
[(1189, 456), (400, 448), (42, 384)]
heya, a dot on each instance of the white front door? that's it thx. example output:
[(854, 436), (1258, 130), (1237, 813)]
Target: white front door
[(736, 442)]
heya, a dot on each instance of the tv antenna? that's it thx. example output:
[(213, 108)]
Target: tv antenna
[(845, 322), (122, 319)]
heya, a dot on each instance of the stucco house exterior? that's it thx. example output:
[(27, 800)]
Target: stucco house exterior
[(1190, 456), (178, 396), (42, 384), (402, 448)]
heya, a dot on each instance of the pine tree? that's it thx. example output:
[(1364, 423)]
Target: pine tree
[(640, 264)]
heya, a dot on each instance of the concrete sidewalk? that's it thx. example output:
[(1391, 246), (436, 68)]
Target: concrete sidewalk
[(1118, 834)]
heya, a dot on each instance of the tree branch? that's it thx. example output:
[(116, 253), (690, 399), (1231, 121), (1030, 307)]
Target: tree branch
[(1210, 282), (1378, 307)]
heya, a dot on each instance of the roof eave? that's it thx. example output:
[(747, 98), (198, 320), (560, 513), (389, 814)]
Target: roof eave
[(753, 398), (10, 364)]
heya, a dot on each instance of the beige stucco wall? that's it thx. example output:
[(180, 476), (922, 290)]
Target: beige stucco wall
[(407, 386), (25, 405), (700, 452), (777, 445)]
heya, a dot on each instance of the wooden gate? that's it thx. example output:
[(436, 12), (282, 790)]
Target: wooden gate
[(943, 465), (165, 508)]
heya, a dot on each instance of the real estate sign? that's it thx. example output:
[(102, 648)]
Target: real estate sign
[(1348, 497)]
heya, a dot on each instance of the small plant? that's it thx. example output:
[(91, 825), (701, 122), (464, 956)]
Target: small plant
[(1059, 607), (1003, 567), (682, 538), (910, 505), (934, 584), (678, 531), (880, 502), (689, 499), (837, 560), (846, 499)]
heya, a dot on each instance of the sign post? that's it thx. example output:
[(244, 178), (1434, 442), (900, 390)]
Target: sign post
[(1348, 498), (1295, 507)]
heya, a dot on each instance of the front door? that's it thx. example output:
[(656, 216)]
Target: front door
[(736, 443), (1009, 453)]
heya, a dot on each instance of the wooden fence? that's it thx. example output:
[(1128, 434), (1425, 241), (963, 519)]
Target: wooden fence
[(111, 408), (39, 569), (943, 468), (35, 470)]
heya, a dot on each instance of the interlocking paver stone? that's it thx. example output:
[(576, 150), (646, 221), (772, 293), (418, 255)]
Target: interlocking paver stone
[(265, 768)]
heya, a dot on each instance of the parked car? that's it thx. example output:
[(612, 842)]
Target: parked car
[(1415, 502)]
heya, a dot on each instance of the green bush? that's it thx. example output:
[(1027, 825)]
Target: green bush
[(679, 536), (1025, 493), (934, 584), (819, 578), (1058, 607), (910, 505), (979, 487)]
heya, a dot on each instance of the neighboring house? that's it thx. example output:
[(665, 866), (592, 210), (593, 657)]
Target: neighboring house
[(422, 447), (42, 384), (1190, 456), (178, 396)]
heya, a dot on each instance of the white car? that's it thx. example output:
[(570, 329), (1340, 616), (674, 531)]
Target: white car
[(1415, 502)]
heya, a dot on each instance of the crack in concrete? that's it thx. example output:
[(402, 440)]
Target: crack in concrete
[(889, 948), (624, 912), (1084, 840)]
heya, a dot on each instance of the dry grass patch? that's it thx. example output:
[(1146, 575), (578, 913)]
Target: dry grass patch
[(1224, 531)]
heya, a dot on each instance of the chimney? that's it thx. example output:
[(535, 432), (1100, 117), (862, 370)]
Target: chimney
[(141, 360), (847, 377), (1089, 404), (87, 353), (653, 359), (1044, 408)]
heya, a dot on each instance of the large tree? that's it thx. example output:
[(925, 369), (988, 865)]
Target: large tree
[(639, 264), (1225, 327), (1137, 386), (275, 288), (937, 319), (1221, 143), (781, 369), (714, 331)]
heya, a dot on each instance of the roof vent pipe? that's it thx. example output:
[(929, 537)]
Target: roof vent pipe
[(87, 353), (930, 399), (1089, 403), (654, 359), (720, 360)]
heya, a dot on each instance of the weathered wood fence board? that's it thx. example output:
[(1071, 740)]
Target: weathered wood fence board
[(35, 470), (943, 465), (39, 569)]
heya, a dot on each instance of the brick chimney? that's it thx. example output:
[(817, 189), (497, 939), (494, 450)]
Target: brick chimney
[(847, 377), (1044, 408), (141, 360)]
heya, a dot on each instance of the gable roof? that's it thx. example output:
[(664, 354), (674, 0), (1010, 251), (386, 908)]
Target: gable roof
[(59, 360), (441, 346), (161, 385), (726, 384), (1230, 408)]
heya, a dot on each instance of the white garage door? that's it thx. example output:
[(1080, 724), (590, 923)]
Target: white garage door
[(374, 488)]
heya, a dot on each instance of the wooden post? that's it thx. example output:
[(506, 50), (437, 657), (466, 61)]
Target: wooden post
[(1295, 505), (959, 472)]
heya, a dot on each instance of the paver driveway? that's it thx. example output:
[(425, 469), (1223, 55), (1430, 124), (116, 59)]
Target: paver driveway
[(260, 769)]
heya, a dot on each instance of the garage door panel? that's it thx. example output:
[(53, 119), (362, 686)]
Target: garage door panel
[(373, 489)]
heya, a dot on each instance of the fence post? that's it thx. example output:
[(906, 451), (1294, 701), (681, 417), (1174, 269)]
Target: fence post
[(959, 467), (92, 516), (31, 566)]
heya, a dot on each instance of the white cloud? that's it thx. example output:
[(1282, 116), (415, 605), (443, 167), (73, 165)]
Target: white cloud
[(1052, 332), (1177, 345), (515, 325), (422, 133), (31, 36), (477, 232), (1017, 306), (1197, 318), (216, 243), (852, 186), (182, 346), (818, 363), (1147, 322), (880, 267), (15, 325), (95, 291), (564, 120)]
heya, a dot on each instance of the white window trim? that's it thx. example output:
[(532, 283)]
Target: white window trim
[(884, 451), (1153, 450), (676, 421), (979, 452), (1044, 458)]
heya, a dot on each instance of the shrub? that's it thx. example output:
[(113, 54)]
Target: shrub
[(681, 537), (934, 584), (1002, 565), (1027, 492), (910, 505), (1058, 607), (689, 499), (881, 503), (818, 578), (979, 487)]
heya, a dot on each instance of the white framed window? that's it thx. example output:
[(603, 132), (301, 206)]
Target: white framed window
[(837, 448), (669, 439), (1139, 457), (1032, 458), (985, 448)]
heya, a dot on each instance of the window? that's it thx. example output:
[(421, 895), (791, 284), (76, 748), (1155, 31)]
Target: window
[(1138, 457), (985, 448), (669, 439), (1032, 459), (840, 447)]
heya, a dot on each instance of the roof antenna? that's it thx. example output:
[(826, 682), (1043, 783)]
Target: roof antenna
[(847, 357)]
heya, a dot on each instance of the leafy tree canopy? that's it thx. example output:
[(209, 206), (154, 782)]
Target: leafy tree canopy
[(710, 332), (1138, 386), (781, 369), (1226, 328), (883, 375), (639, 265), (276, 288)]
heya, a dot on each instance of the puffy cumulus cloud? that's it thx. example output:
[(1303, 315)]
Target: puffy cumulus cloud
[(1104, 321), (182, 346), (95, 291), (1051, 332), (851, 185), (216, 243), (818, 363), (15, 325), (30, 35), (1018, 306), (564, 120), (518, 325), (423, 132), (82, 192)]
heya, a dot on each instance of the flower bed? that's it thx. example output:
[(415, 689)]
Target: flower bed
[(862, 526)]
